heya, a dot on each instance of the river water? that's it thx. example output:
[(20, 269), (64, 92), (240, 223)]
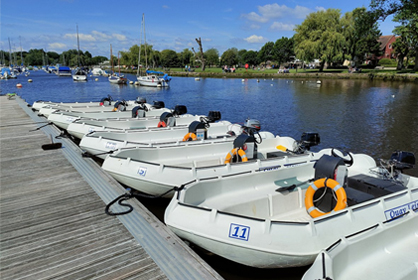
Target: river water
[(361, 116)]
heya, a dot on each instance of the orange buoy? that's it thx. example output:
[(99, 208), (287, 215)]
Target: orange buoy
[(19, 85)]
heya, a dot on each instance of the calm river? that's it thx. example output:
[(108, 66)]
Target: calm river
[(362, 116)]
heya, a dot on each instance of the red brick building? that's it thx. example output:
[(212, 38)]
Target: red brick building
[(386, 46)]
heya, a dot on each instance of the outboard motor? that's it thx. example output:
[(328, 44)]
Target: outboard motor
[(214, 116), (248, 144), (168, 118), (158, 105), (251, 126), (120, 106), (140, 100), (199, 129), (309, 139), (402, 160), (180, 110)]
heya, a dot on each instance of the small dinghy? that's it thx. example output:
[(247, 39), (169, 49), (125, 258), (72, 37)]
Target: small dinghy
[(156, 170), (122, 105), (79, 128), (102, 143), (62, 118), (386, 250), (285, 218), (105, 101)]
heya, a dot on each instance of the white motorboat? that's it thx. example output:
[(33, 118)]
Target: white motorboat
[(101, 143), (157, 169), (279, 219), (154, 79), (62, 118), (80, 75), (384, 251), (97, 71), (79, 128)]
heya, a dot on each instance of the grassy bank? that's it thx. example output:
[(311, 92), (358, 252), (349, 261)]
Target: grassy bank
[(381, 74)]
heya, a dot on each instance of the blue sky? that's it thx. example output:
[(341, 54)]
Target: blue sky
[(169, 24)]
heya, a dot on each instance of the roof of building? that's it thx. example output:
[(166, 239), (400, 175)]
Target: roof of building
[(384, 40)]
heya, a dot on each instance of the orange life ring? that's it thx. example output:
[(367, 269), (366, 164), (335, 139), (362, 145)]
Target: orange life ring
[(320, 183), (162, 124), (189, 136), (234, 152)]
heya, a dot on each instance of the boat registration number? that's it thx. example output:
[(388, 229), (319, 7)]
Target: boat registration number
[(111, 145), (239, 232), (142, 171), (400, 210)]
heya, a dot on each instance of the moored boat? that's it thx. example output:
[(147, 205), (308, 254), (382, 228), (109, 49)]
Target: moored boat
[(62, 118), (82, 127), (280, 218), (156, 169), (386, 250)]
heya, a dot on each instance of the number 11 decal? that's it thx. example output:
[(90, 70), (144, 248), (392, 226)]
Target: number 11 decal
[(239, 232)]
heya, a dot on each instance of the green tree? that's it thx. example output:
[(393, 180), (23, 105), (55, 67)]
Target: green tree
[(251, 57), (266, 52), (283, 50), (185, 56), (241, 55), (169, 58), (212, 57), (361, 33), (320, 37), (230, 57)]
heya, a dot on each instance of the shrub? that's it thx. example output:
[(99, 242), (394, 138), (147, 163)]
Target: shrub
[(387, 62)]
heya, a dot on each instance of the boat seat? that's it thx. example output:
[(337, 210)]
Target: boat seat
[(355, 196), (373, 186), (277, 154)]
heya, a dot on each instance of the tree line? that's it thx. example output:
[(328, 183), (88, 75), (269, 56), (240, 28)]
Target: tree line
[(328, 35)]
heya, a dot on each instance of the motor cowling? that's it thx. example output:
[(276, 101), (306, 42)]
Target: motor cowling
[(106, 101), (402, 160), (180, 110), (158, 105), (140, 100), (120, 106), (309, 139), (168, 118)]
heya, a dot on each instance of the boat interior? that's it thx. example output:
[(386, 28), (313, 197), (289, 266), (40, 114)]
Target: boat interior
[(264, 196)]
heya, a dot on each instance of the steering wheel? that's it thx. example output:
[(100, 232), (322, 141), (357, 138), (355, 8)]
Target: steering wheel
[(257, 139), (343, 155)]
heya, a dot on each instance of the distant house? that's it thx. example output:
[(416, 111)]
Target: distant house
[(386, 46)]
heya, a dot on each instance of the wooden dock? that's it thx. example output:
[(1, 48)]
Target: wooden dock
[(52, 219)]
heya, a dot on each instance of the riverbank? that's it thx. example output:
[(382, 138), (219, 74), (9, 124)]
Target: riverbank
[(272, 74)]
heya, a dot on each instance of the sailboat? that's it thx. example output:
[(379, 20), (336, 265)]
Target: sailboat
[(113, 78), (79, 74), (152, 78)]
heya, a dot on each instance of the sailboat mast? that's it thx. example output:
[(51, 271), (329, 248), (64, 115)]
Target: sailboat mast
[(78, 48), (145, 43), (10, 54), (140, 45), (21, 56), (111, 57)]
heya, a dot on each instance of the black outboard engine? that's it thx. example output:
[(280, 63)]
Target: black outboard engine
[(214, 116), (180, 110), (402, 160), (168, 118), (309, 139), (120, 106), (158, 105), (199, 129), (248, 144)]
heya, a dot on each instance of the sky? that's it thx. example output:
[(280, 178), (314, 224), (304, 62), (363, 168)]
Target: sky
[(169, 24)]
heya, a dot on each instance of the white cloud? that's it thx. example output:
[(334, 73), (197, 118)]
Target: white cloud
[(255, 17), (320, 8), (255, 39), (83, 37), (119, 37), (275, 11), (165, 7), (56, 46), (282, 26), (100, 36)]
